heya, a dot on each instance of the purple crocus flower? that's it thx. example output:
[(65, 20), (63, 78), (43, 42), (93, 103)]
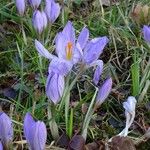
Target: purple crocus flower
[(55, 84), (146, 33), (1, 146), (35, 3), (35, 133), (55, 87), (65, 44), (20, 4), (44, 19), (6, 129), (39, 21), (103, 92), (98, 72), (90, 52), (52, 10)]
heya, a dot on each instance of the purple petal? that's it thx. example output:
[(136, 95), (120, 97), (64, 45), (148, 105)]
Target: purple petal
[(55, 11), (52, 10), (29, 126), (37, 21), (1, 146), (40, 136), (76, 57), (61, 85), (98, 72), (94, 48), (104, 91), (67, 36), (54, 87), (51, 88), (146, 33), (61, 43), (20, 4), (44, 19), (60, 66), (6, 129), (42, 50), (83, 37), (35, 3), (69, 32)]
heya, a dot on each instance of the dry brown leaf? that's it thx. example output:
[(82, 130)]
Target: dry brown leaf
[(121, 143)]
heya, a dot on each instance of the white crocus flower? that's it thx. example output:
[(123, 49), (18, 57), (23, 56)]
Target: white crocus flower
[(129, 107)]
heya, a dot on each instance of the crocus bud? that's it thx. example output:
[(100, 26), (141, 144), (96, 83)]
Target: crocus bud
[(6, 130), (52, 10), (35, 3), (1, 146), (39, 21), (146, 33), (98, 72), (103, 92), (20, 4), (44, 19), (129, 107), (55, 87), (35, 133)]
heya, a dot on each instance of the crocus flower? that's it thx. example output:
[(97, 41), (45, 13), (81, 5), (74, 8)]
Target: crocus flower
[(20, 4), (65, 46), (39, 21), (52, 10), (35, 3), (67, 55), (44, 19), (55, 87), (55, 84), (129, 107), (146, 33), (1, 146), (35, 133), (98, 72), (90, 52), (103, 92), (6, 129)]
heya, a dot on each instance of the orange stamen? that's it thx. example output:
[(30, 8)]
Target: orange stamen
[(69, 50)]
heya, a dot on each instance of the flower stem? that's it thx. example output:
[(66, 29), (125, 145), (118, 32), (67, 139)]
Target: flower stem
[(88, 116), (52, 123), (70, 123)]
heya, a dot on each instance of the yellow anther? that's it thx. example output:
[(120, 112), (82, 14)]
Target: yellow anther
[(69, 50)]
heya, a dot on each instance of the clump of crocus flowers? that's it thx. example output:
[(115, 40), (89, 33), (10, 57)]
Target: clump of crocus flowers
[(80, 53), (71, 52)]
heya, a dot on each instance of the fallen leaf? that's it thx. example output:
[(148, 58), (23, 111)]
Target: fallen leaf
[(121, 143), (77, 143), (99, 145), (63, 141)]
